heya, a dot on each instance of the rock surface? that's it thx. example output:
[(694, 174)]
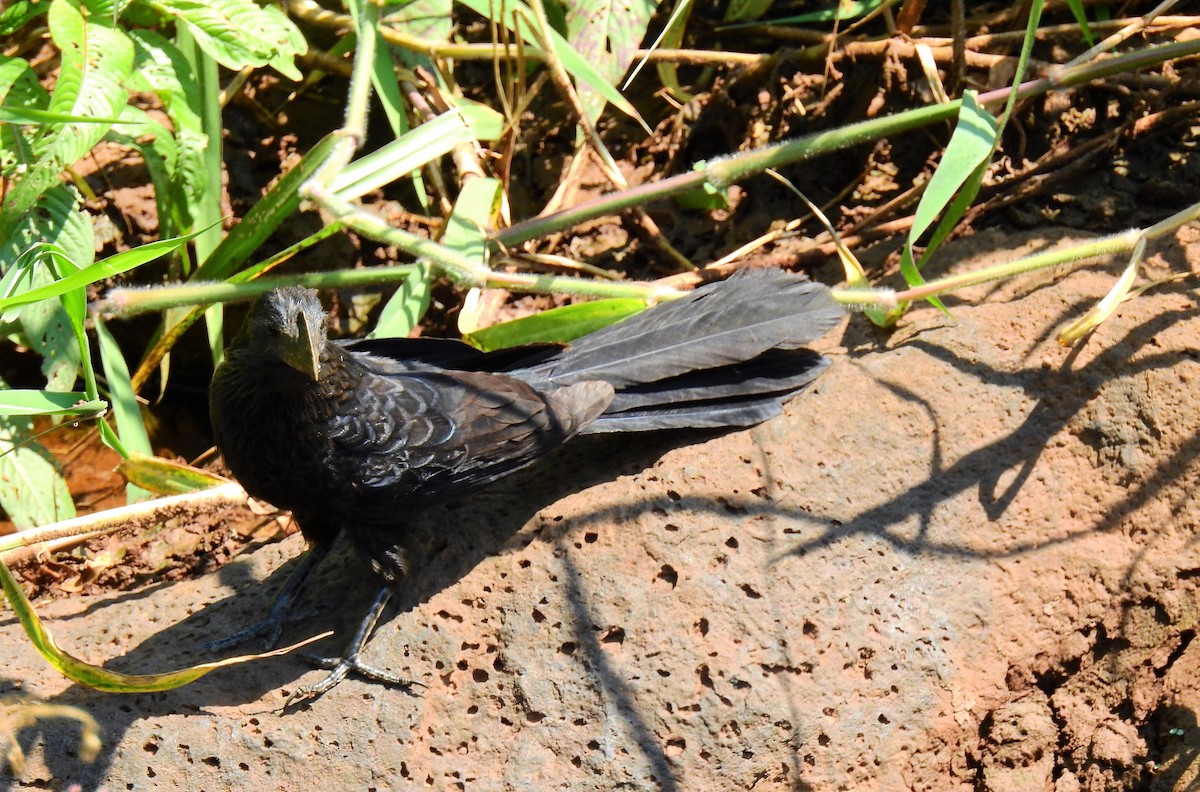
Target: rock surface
[(966, 560)]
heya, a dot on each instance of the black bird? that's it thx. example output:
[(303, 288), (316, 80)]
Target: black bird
[(350, 434)]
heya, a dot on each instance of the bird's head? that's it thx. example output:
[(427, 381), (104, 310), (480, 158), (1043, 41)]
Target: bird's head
[(289, 324)]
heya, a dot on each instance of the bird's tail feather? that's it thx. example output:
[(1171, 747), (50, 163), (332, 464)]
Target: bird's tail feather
[(717, 325), (728, 354), (741, 395)]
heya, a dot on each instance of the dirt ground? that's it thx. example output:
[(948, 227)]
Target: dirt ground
[(965, 560)]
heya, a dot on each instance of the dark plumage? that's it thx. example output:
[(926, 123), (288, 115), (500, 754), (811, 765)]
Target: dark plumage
[(349, 435)]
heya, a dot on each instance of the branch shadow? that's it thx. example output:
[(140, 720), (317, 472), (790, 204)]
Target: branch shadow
[(1060, 396)]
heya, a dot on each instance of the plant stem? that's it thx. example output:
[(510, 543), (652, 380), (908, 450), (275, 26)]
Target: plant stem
[(725, 171)]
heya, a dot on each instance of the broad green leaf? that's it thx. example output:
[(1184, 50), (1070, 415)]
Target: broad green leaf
[(953, 185), (99, 677), (19, 87), (484, 122), (113, 265), (164, 477), (35, 402), (402, 156), (240, 33), (47, 329), (558, 325), (160, 68), (406, 307), (96, 59), (18, 14), (607, 34), (56, 223), (473, 215), (20, 91), (972, 144), (32, 489), (160, 152)]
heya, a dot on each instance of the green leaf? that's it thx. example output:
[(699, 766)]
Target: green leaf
[(706, 197), (96, 59), (101, 678), (32, 489), (240, 33), (485, 123), (37, 402), (607, 34), (383, 70), (113, 265), (953, 186), (20, 13), (747, 9), (160, 152), (47, 329), (406, 307), (468, 224), (280, 202), (30, 116), (402, 156), (431, 20), (130, 428), (1080, 14), (160, 68), (558, 325), (164, 477), (672, 38), (19, 91), (56, 222), (837, 10), (971, 145)]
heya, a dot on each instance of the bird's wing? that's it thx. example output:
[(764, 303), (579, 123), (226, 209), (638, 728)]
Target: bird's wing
[(425, 435), (447, 353)]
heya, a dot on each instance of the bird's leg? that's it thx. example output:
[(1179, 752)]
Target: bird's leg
[(270, 628), (348, 662)]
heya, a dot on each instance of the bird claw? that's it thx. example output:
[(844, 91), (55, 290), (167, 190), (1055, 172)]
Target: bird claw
[(277, 617), (339, 668)]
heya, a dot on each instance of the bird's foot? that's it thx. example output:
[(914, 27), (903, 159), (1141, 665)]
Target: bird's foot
[(348, 662), (339, 669), (270, 628)]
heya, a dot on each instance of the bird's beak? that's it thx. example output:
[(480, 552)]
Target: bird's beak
[(302, 352)]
